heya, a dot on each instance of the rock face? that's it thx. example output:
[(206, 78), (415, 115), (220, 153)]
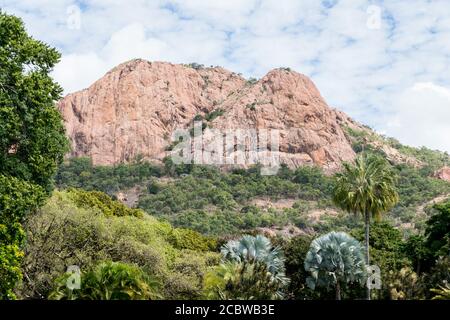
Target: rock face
[(443, 173), (134, 109)]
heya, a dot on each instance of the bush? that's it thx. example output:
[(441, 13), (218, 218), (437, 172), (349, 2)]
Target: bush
[(108, 281), (295, 252), (63, 234), (17, 198), (104, 203), (192, 240), (80, 173)]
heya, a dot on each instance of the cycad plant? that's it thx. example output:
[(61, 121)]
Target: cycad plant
[(366, 187), (334, 260)]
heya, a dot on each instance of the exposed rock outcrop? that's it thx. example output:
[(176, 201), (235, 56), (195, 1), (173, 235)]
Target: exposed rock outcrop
[(443, 173), (133, 110)]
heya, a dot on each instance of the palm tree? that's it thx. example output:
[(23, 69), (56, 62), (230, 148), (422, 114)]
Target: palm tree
[(335, 259), (256, 249), (366, 187), (257, 263)]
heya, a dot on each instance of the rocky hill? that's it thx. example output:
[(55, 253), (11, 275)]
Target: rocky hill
[(134, 109)]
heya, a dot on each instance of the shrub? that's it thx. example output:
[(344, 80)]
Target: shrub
[(108, 281), (252, 269), (63, 234), (295, 252), (103, 202), (192, 240)]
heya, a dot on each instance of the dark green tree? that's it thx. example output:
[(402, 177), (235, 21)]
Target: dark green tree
[(295, 252), (32, 140), (438, 231)]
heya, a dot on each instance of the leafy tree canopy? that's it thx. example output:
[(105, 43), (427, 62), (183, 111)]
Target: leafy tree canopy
[(32, 139)]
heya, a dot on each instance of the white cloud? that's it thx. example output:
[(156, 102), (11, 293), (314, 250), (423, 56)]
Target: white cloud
[(421, 116), (367, 73)]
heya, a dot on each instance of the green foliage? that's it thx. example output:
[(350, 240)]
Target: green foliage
[(333, 260), (104, 203), (438, 231), (192, 240), (17, 198), (32, 140), (437, 276), (418, 253), (386, 245), (80, 173), (213, 202), (241, 281), (442, 293), (214, 114), (252, 269), (314, 184), (257, 249), (416, 186), (195, 65), (251, 81), (367, 187), (388, 252), (108, 281), (403, 284), (11, 255), (63, 234), (295, 252)]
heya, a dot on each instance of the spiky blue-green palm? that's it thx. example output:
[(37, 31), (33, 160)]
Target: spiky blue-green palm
[(257, 250), (334, 259)]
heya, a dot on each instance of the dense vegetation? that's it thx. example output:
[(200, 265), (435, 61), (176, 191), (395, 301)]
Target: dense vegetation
[(213, 202), (32, 140), (63, 233), (196, 231)]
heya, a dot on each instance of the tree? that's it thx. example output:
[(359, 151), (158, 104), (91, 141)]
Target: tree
[(295, 252), (335, 259), (108, 281), (437, 231), (367, 187), (252, 269), (258, 248), (32, 140), (245, 280)]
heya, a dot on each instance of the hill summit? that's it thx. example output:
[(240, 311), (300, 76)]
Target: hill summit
[(134, 109)]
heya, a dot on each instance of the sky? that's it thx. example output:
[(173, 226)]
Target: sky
[(385, 63)]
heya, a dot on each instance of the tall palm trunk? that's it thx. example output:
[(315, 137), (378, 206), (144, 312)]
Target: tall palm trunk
[(338, 291), (367, 218)]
